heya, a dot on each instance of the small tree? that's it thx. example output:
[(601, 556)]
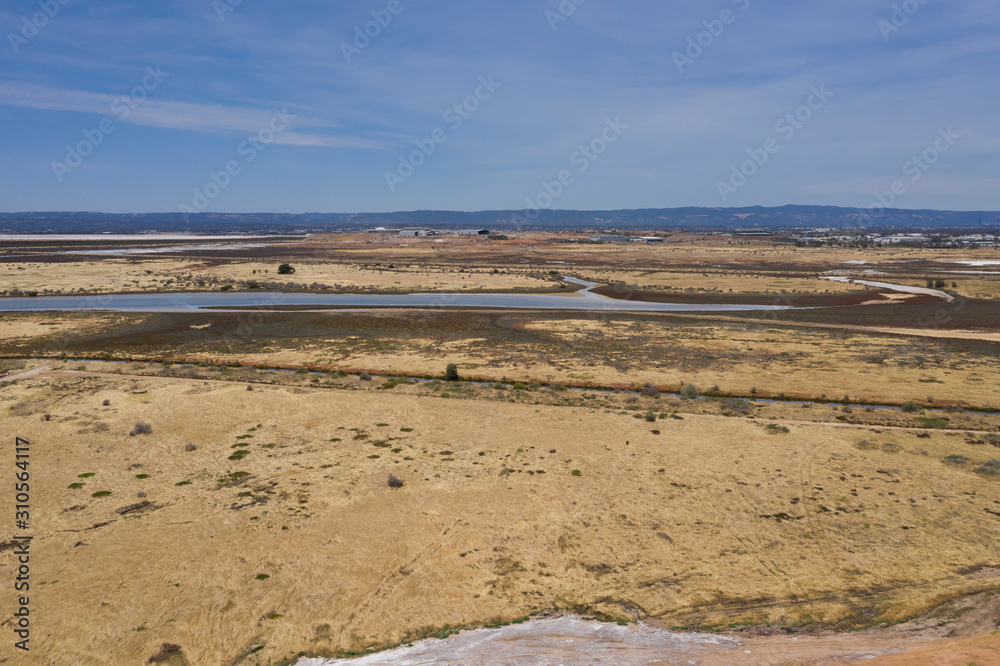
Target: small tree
[(689, 392), (285, 269), (451, 373)]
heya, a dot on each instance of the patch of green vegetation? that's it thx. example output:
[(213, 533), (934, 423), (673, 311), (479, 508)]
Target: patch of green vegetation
[(775, 429), (239, 455), (76, 486), (933, 421), (86, 476), (406, 429), (576, 472), (992, 468), (261, 576), (101, 493), (142, 476), (183, 483)]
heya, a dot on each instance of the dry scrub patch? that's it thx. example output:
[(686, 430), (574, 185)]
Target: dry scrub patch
[(603, 350)]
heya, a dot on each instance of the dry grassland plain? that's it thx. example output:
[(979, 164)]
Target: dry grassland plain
[(279, 530), (766, 501)]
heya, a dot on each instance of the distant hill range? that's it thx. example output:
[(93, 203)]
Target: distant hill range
[(778, 219)]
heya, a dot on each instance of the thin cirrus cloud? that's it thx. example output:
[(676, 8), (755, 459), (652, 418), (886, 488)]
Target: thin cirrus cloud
[(186, 116)]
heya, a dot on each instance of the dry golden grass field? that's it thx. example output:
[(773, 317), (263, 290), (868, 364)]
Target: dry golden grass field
[(278, 533)]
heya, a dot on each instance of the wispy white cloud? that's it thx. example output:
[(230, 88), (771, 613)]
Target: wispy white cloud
[(211, 118)]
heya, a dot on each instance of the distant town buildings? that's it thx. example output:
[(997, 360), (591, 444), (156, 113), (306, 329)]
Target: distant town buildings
[(916, 239), (609, 238)]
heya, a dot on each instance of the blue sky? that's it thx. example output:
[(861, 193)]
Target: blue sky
[(304, 123)]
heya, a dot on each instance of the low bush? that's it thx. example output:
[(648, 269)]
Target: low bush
[(737, 406), (141, 428), (395, 481), (992, 468), (650, 391), (933, 421)]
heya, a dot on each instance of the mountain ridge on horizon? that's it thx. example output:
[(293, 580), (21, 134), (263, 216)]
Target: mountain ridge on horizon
[(689, 217)]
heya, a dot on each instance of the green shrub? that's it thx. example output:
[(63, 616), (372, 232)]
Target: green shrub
[(451, 373), (992, 468), (737, 406), (933, 421)]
